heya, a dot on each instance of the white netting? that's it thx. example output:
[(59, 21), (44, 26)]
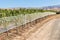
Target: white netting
[(8, 23)]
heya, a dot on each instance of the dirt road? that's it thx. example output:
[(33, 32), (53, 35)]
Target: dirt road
[(49, 31)]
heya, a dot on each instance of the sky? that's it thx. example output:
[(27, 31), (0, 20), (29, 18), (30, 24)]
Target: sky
[(27, 3)]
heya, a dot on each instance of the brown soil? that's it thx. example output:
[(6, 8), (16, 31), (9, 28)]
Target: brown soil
[(24, 32)]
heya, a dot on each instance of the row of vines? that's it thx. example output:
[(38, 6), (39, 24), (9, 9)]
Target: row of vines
[(18, 11)]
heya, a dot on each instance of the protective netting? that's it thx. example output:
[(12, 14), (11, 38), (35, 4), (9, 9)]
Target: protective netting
[(8, 23)]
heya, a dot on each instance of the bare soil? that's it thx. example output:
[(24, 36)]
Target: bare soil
[(29, 31)]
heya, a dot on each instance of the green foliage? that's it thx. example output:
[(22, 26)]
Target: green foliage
[(15, 12)]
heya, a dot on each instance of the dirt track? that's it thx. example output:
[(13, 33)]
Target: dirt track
[(39, 31), (49, 31)]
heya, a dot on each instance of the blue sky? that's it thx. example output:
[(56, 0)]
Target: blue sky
[(27, 3)]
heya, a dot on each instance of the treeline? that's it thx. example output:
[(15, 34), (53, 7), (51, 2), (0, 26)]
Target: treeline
[(15, 12)]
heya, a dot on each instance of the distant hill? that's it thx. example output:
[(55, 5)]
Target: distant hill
[(54, 7)]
